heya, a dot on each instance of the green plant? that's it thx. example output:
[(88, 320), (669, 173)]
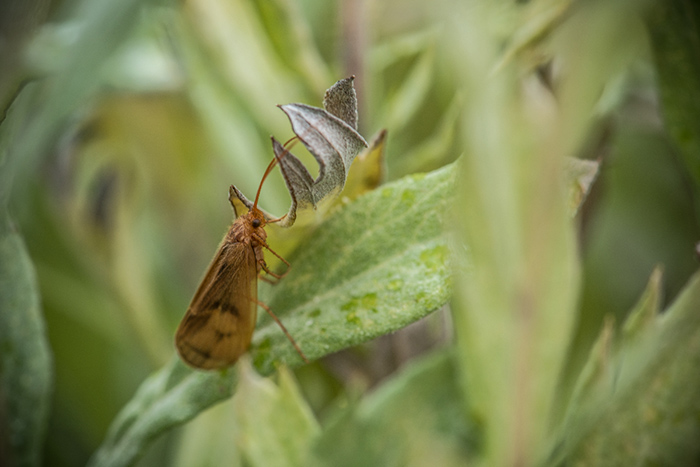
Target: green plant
[(570, 344)]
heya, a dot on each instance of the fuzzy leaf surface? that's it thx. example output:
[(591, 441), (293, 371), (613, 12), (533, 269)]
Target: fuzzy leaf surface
[(373, 267), (26, 373)]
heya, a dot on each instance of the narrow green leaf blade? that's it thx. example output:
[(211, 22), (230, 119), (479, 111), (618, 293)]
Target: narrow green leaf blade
[(26, 372)]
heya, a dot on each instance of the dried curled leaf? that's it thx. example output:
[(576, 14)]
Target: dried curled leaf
[(331, 136)]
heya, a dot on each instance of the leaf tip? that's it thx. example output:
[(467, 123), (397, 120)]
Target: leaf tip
[(646, 310), (340, 100)]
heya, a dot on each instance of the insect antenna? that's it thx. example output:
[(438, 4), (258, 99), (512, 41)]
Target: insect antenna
[(267, 172), (287, 146)]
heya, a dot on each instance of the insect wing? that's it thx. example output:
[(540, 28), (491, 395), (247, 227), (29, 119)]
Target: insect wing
[(219, 323)]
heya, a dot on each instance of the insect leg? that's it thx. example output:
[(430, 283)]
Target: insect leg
[(278, 256), (264, 265), (286, 333), (267, 270), (269, 281)]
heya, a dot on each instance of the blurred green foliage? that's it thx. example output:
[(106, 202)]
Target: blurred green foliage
[(125, 122), (26, 372)]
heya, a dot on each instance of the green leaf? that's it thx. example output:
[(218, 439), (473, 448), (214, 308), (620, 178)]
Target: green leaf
[(373, 267), (518, 275), (26, 373), (415, 419), (275, 426), (646, 410), (516, 249)]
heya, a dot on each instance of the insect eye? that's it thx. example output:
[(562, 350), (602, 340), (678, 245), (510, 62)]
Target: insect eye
[(256, 223)]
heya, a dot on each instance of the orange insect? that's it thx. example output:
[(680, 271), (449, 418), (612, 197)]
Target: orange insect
[(218, 326)]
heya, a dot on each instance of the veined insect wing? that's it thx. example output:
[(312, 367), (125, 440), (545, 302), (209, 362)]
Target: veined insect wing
[(219, 323)]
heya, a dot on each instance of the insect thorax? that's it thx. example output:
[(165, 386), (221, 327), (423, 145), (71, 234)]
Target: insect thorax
[(243, 230)]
